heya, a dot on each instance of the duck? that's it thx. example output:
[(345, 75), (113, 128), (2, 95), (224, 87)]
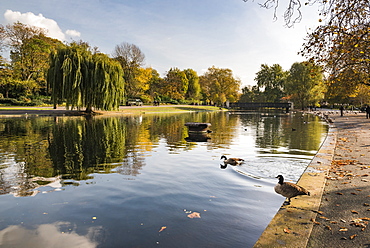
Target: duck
[(232, 161), (289, 190)]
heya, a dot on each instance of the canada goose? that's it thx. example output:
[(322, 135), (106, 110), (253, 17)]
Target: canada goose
[(232, 161), (289, 190)]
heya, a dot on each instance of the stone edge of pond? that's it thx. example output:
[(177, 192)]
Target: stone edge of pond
[(292, 225)]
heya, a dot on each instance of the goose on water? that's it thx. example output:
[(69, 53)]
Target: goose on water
[(232, 161), (289, 190)]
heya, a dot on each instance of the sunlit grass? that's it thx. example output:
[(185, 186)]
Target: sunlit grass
[(169, 109), (132, 109)]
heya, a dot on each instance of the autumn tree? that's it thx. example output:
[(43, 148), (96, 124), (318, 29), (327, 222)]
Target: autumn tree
[(175, 84), (271, 79), (131, 59), (143, 78), (219, 85), (83, 79), (305, 84)]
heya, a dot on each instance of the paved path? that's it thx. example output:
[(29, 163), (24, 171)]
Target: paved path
[(344, 213), (337, 213)]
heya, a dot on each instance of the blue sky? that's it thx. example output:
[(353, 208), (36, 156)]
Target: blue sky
[(194, 34)]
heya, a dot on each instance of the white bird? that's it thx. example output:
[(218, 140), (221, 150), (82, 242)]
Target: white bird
[(232, 161), (289, 190)]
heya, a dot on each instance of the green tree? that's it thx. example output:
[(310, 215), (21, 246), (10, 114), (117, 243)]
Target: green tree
[(271, 79), (29, 54), (219, 85), (156, 84), (305, 84), (85, 80), (193, 92)]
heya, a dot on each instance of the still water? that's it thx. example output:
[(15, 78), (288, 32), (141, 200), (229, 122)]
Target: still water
[(136, 181)]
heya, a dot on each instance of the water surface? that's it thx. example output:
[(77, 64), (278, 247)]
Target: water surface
[(133, 181)]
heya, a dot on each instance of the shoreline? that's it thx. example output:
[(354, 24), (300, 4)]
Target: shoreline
[(336, 178), (123, 110)]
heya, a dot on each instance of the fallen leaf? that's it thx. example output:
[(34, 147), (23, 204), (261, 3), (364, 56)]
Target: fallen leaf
[(286, 230), (314, 221), (323, 217), (353, 236), (338, 193), (194, 215), (328, 227), (343, 230), (354, 212), (358, 225), (162, 228)]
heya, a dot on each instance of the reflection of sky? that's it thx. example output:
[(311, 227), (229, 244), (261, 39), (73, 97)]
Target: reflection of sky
[(47, 235)]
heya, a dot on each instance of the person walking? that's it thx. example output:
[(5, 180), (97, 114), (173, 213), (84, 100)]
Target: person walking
[(341, 110), (367, 112)]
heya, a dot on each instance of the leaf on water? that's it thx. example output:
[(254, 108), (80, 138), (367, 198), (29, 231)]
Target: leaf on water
[(194, 215), (162, 228), (339, 193)]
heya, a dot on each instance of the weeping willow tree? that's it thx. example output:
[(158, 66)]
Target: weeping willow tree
[(83, 79)]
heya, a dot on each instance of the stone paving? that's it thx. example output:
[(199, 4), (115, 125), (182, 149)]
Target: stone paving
[(344, 213), (337, 213)]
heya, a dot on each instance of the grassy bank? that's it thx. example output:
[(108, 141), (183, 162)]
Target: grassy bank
[(168, 109), (122, 111)]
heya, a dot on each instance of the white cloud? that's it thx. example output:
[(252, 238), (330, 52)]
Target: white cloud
[(73, 33), (52, 28)]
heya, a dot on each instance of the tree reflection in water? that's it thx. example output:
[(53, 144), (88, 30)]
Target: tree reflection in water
[(166, 174)]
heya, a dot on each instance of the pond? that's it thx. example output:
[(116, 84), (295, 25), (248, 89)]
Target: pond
[(142, 181)]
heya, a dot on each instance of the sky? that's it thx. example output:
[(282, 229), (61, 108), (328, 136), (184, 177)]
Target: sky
[(195, 34)]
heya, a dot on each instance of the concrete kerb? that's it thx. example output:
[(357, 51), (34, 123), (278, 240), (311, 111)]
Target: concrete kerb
[(292, 225)]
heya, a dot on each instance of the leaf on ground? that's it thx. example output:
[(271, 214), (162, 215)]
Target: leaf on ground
[(287, 230), (343, 230), (323, 217), (353, 236), (194, 215), (354, 212), (314, 221)]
